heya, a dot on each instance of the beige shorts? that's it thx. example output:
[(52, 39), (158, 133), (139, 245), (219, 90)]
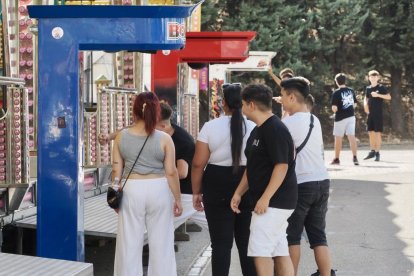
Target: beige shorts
[(268, 233), (345, 126)]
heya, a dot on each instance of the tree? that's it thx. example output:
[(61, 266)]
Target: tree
[(387, 37), (319, 38)]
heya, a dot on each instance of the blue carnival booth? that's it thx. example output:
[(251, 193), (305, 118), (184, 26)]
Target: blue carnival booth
[(63, 32)]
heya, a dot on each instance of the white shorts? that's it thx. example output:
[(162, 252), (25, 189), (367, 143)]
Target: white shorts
[(345, 126), (268, 233)]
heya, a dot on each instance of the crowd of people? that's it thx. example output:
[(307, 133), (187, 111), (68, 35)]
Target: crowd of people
[(260, 180)]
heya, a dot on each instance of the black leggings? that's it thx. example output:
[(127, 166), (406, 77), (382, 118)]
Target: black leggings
[(219, 184)]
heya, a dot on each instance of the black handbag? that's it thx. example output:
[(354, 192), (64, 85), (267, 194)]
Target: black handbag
[(114, 197)]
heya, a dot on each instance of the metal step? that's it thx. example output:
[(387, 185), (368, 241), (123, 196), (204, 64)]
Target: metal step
[(20, 265)]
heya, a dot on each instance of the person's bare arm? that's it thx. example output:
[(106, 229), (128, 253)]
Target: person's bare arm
[(117, 160), (366, 109), (240, 191), (334, 108), (278, 175), (382, 96), (274, 77), (104, 139), (171, 173), (201, 157), (182, 168)]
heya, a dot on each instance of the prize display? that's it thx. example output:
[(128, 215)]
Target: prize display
[(14, 146), (14, 130), (114, 112), (125, 69), (20, 55)]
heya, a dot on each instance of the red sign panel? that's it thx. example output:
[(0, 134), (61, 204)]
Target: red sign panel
[(176, 31)]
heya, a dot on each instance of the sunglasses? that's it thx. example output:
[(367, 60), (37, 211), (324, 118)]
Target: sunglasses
[(225, 85)]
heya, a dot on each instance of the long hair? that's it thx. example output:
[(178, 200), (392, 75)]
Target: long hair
[(232, 96), (147, 108)]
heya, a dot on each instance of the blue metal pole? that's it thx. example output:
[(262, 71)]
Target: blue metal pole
[(63, 31), (60, 183)]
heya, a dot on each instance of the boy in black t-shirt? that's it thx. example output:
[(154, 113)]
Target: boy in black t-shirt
[(343, 104), (184, 147), (184, 153), (271, 180), (375, 94)]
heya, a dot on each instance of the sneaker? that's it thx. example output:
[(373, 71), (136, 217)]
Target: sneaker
[(317, 273), (355, 160), (377, 156), (335, 161), (370, 155)]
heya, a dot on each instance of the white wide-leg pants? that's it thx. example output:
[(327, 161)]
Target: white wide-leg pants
[(147, 205)]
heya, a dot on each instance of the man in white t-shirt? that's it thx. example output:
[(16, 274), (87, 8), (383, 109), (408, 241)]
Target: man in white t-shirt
[(312, 176)]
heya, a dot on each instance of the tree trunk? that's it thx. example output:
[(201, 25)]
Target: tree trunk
[(396, 109)]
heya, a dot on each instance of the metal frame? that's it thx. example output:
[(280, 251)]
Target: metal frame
[(63, 32), (17, 180)]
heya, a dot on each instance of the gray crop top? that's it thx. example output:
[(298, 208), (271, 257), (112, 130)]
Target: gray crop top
[(151, 160)]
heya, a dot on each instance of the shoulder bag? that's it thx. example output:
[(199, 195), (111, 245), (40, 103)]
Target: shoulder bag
[(298, 149), (114, 197)]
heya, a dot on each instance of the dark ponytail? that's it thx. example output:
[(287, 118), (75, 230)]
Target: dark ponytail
[(232, 96)]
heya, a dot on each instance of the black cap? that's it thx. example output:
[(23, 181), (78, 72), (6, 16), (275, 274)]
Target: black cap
[(301, 84)]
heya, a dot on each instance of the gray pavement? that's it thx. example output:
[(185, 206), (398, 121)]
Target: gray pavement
[(101, 253), (370, 222)]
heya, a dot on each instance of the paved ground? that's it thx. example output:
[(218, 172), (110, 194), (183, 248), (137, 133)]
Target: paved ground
[(101, 253), (370, 222)]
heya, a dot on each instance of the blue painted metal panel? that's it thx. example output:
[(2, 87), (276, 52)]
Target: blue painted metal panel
[(83, 11), (60, 232), (58, 152), (119, 34)]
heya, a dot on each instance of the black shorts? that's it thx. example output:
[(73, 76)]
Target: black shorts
[(374, 123), (310, 214)]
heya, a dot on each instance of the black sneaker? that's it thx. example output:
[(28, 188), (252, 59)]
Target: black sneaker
[(355, 160), (370, 155), (377, 156), (317, 273), (335, 161)]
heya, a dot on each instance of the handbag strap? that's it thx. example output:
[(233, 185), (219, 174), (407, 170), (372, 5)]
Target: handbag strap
[(298, 149), (132, 168)]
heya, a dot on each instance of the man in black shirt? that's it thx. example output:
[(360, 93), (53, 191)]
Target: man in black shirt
[(375, 94), (184, 147), (271, 180), (343, 104)]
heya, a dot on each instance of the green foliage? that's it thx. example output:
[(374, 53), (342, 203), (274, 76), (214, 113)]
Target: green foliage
[(307, 38), (319, 38)]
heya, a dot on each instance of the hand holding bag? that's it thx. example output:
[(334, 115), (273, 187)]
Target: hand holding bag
[(113, 196)]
